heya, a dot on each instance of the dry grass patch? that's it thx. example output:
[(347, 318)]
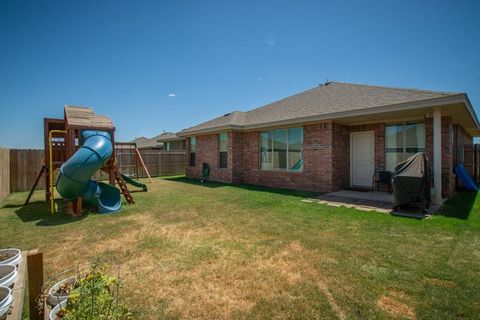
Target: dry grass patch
[(178, 216), (395, 307)]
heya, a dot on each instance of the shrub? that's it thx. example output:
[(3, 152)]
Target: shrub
[(95, 297)]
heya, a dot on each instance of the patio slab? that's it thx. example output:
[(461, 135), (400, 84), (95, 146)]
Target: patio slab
[(364, 201), (369, 201)]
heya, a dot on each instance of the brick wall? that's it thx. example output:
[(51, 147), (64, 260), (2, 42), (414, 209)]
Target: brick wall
[(340, 156), (207, 152), (317, 166), (235, 159), (326, 154)]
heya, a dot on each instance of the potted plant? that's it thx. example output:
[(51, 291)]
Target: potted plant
[(10, 256), (57, 311), (6, 300), (8, 275), (59, 291), (94, 295)]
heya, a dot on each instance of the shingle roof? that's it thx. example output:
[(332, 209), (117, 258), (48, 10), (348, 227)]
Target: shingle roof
[(326, 99), (235, 118), (166, 136), (144, 142)]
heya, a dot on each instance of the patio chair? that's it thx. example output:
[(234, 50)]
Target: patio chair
[(382, 178)]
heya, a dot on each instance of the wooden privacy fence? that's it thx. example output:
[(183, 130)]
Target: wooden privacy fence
[(471, 160), (20, 167), (158, 162), (4, 173), (25, 164)]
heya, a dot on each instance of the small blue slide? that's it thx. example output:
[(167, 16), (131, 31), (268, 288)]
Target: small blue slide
[(465, 178), (74, 179)]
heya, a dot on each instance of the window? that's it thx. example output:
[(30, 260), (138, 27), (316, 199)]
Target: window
[(281, 149), (193, 147), (222, 150), (167, 146), (266, 150), (402, 141)]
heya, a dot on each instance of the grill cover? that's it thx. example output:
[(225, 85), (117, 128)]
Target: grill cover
[(411, 181)]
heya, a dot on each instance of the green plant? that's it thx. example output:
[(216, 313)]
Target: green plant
[(95, 297)]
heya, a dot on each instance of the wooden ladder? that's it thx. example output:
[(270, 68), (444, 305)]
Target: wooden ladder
[(123, 187)]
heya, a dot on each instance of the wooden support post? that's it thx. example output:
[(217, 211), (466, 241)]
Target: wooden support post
[(77, 206), (35, 185), (35, 282), (137, 172), (111, 174), (143, 164)]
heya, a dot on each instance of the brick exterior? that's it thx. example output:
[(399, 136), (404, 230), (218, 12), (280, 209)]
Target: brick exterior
[(326, 155), (317, 166), (207, 152)]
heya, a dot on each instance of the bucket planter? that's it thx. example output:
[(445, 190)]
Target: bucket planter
[(10, 256), (6, 300), (8, 275), (54, 314), (58, 293)]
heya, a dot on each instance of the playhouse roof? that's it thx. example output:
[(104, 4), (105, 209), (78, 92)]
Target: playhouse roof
[(84, 117)]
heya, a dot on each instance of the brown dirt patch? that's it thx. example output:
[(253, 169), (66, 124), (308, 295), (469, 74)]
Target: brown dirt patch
[(395, 307)]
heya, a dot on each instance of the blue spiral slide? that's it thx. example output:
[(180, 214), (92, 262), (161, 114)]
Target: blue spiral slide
[(465, 178), (74, 179)]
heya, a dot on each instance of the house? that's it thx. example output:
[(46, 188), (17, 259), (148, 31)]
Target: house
[(335, 136), (147, 143), (171, 142)]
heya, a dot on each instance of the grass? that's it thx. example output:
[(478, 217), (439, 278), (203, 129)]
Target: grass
[(211, 251)]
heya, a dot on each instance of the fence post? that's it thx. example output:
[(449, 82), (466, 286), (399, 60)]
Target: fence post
[(160, 164), (35, 282)]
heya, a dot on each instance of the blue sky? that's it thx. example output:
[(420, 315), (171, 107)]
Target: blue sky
[(166, 65)]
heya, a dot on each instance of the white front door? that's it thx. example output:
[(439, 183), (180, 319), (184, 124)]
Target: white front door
[(362, 166)]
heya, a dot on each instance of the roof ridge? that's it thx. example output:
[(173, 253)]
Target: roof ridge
[(396, 88)]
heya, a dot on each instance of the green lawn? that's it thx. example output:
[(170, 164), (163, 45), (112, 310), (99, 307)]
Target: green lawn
[(215, 251)]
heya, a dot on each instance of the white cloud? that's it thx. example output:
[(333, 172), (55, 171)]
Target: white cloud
[(173, 94)]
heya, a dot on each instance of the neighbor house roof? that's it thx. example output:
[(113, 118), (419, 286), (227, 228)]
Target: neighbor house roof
[(144, 142), (167, 136), (329, 101)]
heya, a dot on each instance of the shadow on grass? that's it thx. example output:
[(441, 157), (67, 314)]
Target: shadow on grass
[(251, 187), (40, 211), (459, 206)]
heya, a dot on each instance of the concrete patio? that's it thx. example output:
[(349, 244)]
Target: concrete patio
[(360, 200), (370, 201)]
